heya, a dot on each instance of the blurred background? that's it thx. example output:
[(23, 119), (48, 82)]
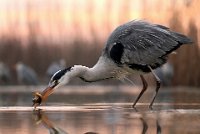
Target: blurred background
[(39, 37)]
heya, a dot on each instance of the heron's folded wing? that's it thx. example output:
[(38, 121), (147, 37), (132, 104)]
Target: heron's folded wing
[(143, 43)]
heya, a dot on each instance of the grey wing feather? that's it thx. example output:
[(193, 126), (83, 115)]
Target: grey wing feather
[(145, 43)]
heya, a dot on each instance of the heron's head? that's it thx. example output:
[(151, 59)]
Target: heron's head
[(60, 78)]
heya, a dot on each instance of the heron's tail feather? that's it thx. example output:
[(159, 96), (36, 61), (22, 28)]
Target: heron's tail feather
[(182, 39)]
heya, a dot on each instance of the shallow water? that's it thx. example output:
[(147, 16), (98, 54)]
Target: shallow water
[(103, 111)]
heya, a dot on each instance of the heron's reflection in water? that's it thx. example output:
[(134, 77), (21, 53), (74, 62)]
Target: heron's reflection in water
[(158, 127), (112, 118), (145, 126), (41, 118)]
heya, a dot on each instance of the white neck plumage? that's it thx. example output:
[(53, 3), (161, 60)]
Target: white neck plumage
[(102, 70)]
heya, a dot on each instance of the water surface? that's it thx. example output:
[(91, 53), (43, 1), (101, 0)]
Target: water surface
[(103, 111)]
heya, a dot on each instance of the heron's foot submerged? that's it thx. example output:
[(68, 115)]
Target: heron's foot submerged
[(37, 99)]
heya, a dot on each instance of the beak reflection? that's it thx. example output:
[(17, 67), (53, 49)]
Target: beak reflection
[(41, 118)]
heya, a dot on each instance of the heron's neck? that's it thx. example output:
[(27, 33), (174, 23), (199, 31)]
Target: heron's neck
[(100, 71)]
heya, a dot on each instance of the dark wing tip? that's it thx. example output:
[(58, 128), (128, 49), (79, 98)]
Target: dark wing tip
[(182, 39)]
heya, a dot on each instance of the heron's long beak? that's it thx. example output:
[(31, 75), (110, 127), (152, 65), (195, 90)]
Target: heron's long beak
[(41, 97), (48, 91)]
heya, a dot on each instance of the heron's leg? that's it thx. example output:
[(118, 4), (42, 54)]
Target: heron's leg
[(145, 85), (158, 82)]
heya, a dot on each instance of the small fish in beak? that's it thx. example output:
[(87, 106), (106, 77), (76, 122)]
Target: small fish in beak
[(37, 100), (41, 97)]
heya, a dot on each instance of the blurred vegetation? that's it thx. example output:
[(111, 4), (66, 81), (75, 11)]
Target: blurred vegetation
[(39, 54), (186, 61)]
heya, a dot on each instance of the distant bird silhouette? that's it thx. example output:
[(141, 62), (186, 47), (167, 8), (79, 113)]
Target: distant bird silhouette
[(5, 76), (165, 73), (26, 75), (135, 47), (54, 67)]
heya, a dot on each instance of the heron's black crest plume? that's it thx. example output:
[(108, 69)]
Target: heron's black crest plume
[(60, 73)]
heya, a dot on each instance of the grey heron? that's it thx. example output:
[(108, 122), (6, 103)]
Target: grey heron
[(55, 66), (5, 76), (134, 47), (26, 75), (165, 73)]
